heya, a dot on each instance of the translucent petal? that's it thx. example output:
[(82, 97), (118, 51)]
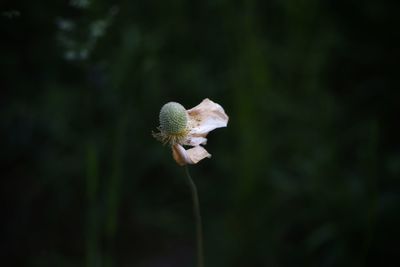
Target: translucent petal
[(190, 156), (197, 153), (195, 141), (206, 117), (180, 156)]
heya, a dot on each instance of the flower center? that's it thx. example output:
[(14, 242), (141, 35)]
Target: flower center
[(173, 118)]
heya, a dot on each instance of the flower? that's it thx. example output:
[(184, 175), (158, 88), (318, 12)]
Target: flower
[(180, 127)]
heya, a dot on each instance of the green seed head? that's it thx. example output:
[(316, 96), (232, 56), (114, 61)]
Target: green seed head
[(173, 118)]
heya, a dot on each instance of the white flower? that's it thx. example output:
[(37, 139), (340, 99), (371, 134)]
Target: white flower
[(179, 127)]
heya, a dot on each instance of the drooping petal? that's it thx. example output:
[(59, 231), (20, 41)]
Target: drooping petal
[(190, 156), (195, 141), (180, 156), (197, 153), (206, 117)]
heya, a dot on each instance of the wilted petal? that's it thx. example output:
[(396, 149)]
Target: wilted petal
[(190, 156), (180, 156), (197, 153), (195, 141), (206, 117)]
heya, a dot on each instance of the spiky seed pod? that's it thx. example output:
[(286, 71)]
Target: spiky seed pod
[(173, 124), (173, 118)]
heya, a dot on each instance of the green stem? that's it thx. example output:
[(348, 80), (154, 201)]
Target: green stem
[(197, 216)]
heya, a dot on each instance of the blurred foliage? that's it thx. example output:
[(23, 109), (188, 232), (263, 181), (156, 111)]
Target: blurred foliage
[(306, 174)]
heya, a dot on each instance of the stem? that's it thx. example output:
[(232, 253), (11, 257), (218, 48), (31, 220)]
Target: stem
[(197, 216)]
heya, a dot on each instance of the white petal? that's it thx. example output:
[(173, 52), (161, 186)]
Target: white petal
[(195, 141), (206, 117), (197, 153), (190, 156), (180, 156)]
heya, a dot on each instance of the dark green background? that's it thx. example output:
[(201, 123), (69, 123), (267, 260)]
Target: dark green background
[(306, 173)]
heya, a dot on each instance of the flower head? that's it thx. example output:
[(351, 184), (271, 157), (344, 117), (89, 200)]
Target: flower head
[(179, 127)]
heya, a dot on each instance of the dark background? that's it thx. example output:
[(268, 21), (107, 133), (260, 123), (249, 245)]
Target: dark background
[(306, 173)]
